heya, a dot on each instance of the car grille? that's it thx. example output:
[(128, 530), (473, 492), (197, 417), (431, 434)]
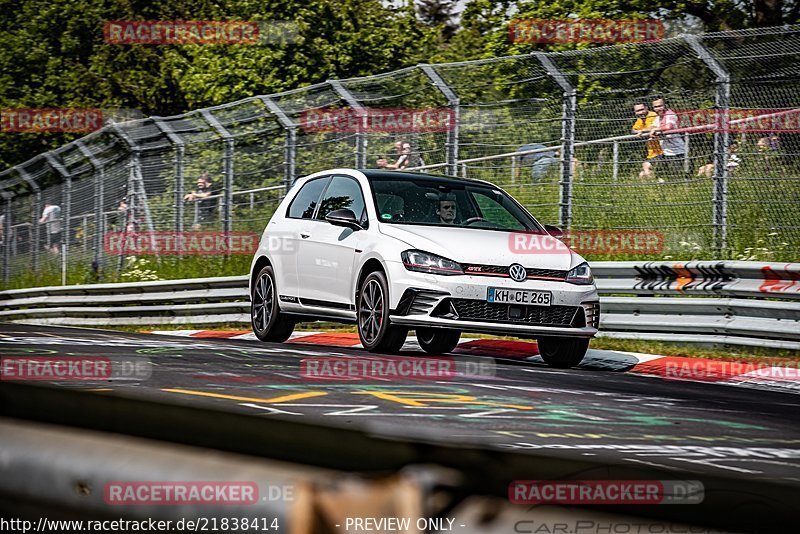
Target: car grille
[(480, 310), (502, 270)]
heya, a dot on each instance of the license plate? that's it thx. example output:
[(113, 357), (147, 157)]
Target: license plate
[(526, 297)]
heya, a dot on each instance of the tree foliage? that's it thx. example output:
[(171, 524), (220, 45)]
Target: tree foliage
[(53, 55)]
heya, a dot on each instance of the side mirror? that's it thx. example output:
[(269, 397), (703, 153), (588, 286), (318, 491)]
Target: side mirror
[(344, 218), (554, 231)]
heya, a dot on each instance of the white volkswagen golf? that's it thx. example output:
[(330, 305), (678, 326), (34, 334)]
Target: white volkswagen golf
[(394, 251)]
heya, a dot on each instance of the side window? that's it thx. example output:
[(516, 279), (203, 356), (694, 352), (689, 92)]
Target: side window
[(343, 193), (303, 205)]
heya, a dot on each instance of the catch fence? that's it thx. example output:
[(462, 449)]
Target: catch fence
[(553, 129)]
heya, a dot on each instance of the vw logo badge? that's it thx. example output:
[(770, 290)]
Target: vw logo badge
[(517, 272)]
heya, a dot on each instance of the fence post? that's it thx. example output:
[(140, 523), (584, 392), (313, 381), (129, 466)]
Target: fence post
[(455, 105), (615, 161), (37, 213), (67, 201), (722, 102), (290, 144), (361, 135), (180, 151), (99, 201), (227, 159), (7, 222), (567, 137)]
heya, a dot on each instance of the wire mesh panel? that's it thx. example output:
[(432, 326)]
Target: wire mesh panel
[(402, 107), (508, 105), (709, 164), (764, 183), (320, 143)]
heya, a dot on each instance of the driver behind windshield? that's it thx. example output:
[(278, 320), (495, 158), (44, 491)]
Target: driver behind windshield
[(446, 211)]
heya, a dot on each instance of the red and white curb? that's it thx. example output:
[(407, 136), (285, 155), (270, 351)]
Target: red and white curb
[(784, 378)]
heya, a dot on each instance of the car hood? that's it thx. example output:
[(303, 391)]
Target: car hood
[(486, 247)]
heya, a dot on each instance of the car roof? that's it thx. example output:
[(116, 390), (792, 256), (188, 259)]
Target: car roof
[(375, 174)]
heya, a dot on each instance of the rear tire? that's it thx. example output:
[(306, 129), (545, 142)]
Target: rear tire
[(563, 352), (374, 330), (269, 324), (437, 340)]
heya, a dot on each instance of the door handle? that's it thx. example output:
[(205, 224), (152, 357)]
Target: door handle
[(304, 235)]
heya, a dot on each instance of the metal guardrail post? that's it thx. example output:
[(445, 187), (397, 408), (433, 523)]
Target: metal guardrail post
[(722, 101), (567, 137), (361, 135), (227, 159), (180, 152), (37, 213), (455, 105), (99, 200), (290, 144), (67, 201), (6, 238)]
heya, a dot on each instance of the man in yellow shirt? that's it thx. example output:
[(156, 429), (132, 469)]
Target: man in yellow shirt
[(643, 125)]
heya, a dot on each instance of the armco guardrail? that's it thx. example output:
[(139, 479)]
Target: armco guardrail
[(732, 302)]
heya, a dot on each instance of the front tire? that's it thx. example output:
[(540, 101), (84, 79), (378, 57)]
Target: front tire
[(437, 340), (269, 324), (563, 352), (374, 330)]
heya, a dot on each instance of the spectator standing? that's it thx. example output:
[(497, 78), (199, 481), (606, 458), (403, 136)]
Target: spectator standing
[(672, 145), (206, 206), (51, 218), (403, 149), (641, 127)]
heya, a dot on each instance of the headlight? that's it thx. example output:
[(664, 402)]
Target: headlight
[(581, 275), (423, 262)]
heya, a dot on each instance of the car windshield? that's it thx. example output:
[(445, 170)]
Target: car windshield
[(434, 201)]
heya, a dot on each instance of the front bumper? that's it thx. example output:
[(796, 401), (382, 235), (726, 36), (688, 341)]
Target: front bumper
[(512, 329), (459, 302)]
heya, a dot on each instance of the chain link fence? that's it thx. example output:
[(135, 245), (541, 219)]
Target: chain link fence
[(554, 129)]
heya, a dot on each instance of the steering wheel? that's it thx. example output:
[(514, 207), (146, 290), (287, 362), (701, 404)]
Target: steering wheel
[(474, 220)]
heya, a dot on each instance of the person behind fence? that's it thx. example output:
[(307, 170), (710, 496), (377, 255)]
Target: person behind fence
[(767, 147), (672, 145), (541, 163), (733, 163), (51, 218), (642, 127), (206, 206), (403, 149), (447, 210)]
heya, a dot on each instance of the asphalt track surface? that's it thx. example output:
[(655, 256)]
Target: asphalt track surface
[(525, 406)]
